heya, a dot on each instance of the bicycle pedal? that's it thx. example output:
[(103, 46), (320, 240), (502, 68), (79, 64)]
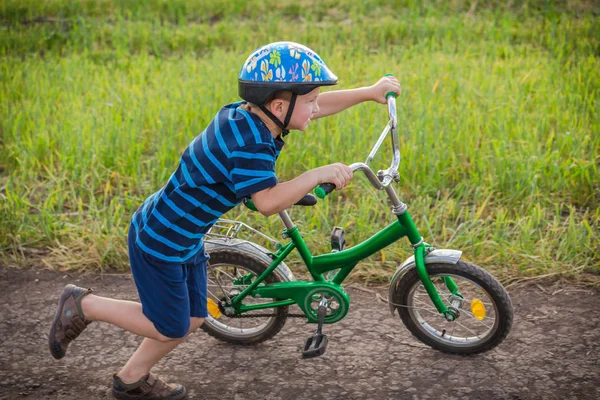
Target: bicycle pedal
[(315, 346)]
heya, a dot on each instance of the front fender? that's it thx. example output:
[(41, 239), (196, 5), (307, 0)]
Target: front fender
[(437, 256), (253, 249)]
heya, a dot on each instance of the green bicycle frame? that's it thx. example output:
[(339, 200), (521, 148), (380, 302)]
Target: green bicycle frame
[(344, 260)]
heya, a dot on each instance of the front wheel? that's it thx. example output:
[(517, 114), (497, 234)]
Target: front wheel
[(485, 310)]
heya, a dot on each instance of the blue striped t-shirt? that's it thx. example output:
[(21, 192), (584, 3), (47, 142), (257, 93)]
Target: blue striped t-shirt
[(231, 159)]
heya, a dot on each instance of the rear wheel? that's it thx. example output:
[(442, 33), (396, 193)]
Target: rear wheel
[(485, 311), (226, 267)]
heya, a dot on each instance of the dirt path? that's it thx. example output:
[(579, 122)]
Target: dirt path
[(551, 353)]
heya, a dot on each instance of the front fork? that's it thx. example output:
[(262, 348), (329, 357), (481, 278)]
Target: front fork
[(450, 313)]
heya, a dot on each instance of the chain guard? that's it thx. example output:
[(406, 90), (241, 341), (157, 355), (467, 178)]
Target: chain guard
[(336, 297), (265, 315)]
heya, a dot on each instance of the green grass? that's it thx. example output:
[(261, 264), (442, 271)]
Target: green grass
[(500, 127)]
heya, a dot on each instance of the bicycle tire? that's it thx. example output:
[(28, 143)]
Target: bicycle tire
[(415, 323)]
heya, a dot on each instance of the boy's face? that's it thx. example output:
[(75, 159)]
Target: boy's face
[(306, 107)]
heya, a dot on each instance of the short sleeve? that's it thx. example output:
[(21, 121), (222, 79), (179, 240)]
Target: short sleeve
[(253, 169)]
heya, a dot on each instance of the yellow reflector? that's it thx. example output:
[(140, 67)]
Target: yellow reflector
[(213, 309), (478, 309)]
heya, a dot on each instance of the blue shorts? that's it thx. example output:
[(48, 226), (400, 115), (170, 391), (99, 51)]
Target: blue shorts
[(170, 293)]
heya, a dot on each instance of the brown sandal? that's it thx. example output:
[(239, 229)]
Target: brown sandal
[(148, 387), (69, 320)]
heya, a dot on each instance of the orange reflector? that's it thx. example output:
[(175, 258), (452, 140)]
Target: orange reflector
[(213, 309), (478, 309)]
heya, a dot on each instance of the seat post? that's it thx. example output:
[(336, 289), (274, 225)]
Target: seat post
[(287, 221)]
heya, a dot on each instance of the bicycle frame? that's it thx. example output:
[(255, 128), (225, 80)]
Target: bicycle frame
[(344, 260)]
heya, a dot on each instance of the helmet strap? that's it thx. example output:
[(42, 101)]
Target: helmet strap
[(289, 114), (283, 126)]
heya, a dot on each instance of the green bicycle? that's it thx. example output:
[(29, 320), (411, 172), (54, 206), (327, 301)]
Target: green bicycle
[(445, 302)]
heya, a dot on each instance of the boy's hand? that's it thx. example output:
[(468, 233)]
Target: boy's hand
[(338, 174), (383, 86)]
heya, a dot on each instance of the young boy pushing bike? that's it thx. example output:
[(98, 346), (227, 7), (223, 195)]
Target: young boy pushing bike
[(232, 159)]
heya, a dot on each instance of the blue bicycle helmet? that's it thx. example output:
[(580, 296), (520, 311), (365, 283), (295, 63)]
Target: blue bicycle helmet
[(282, 66)]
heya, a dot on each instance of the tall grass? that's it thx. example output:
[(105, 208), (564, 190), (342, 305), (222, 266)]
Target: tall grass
[(500, 129)]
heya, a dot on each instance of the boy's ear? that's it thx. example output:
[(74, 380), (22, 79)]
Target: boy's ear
[(276, 107)]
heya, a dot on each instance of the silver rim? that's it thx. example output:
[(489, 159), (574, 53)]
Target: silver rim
[(220, 284), (467, 330)]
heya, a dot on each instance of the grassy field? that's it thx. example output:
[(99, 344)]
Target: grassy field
[(500, 125)]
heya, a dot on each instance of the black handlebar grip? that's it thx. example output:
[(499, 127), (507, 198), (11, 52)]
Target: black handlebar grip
[(324, 189)]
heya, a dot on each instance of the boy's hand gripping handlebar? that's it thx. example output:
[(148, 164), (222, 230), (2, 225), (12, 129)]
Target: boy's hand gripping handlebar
[(383, 177)]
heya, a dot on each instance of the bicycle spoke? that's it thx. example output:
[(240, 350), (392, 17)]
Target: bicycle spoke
[(430, 309), (221, 286), (224, 286), (477, 319), (212, 294), (458, 323), (229, 276)]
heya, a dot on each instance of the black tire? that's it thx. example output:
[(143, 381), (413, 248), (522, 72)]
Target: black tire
[(410, 286), (222, 328)]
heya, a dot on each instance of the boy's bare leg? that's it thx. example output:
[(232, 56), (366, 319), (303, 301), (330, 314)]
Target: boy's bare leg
[(122, 313), (149, 353), (129, 316)]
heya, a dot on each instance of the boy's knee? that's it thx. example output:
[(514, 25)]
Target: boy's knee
[(196, 323), (164, 339), (175, 332), (181, 330)]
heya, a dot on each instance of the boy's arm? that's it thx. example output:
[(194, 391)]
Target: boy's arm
[(338, 100), (284, 195)]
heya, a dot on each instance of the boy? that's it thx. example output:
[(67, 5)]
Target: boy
[(231, 160)]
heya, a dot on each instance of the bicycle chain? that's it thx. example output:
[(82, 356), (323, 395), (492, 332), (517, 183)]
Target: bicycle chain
[(264, 315), (261, 315)]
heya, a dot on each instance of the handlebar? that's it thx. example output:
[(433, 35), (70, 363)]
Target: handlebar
[(383, 177)]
